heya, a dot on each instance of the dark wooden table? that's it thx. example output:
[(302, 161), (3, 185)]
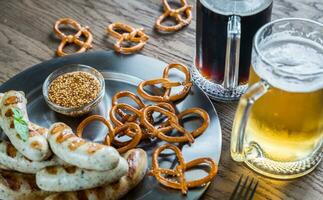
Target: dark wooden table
[(26, 38)]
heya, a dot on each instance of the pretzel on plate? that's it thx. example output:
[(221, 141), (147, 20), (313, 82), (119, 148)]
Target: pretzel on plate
[(173, 123), (136, 117), (179, 171), (176, 14), (122, 146), (65, 39), (132, 130), (132, 96), (130, 35), (167, 85)]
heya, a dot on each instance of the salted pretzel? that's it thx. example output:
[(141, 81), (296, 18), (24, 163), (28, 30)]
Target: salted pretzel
[(132, 96), (80, 128), (136, 115), (202, 114), (178, 172), (132, 130), (167, 85), (124, 117), (125, 107), (173, 122), (122, 146), (130, 35), (176, 14), (65, 39), (140, 105)]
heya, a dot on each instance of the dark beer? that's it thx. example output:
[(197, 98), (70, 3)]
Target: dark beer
[(211, 34)]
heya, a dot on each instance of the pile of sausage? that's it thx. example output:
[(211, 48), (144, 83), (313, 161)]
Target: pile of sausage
[(55, 163)]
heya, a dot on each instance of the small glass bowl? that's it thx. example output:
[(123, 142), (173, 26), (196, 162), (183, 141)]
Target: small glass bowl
[(78, 111)]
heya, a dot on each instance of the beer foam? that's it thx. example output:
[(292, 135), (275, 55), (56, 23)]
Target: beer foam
[(296, 63), (236, 7)]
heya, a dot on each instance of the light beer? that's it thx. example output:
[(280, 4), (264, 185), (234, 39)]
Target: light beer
[(278, 127), (287, 125)]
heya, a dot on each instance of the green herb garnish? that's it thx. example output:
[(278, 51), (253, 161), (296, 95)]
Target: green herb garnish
[(21, 125)]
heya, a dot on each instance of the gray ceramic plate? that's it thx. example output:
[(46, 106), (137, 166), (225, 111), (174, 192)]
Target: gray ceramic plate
[(124, 73)]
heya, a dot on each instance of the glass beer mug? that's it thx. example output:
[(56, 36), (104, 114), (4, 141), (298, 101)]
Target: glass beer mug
[(278, 126), (224, 33)]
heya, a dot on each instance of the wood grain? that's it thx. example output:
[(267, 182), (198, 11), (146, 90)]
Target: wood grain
[(26, 39)]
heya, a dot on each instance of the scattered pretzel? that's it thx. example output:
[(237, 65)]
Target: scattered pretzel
[(134, 133), (131, 35), (179, 171), (65, 39), (176, 14), (167, 84)]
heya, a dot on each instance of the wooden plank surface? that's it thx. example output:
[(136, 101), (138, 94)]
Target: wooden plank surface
[(26, 38)]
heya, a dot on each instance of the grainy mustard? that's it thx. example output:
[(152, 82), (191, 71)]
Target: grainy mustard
[(74, 89)]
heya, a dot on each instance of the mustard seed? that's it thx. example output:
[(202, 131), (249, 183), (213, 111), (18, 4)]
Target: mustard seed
[(74, 89)]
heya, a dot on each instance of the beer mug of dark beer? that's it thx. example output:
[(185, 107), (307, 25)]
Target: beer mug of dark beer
[(224, 33)]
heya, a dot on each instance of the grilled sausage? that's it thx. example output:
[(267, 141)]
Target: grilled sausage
[(72, 178), (12, 159), (35, 147), (58, 178), (17, 186), (79, 152), (137, 161), (4, 168)]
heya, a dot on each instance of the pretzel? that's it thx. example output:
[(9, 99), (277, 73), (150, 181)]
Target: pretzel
[(126, 117), (132, 96), (131, 35), (176, 14), (132, 117), (130, 129), (137, 115), (201, 113), (110, 138), (122, 106), (173, 123), (167, 84), (65, 39), (179, 171)]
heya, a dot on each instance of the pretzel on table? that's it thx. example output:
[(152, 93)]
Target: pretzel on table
[(131, 35), (65, 39), (176, 14)]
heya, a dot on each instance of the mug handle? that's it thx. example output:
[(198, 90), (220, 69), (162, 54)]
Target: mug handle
[(231, 70), (257, 90)]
